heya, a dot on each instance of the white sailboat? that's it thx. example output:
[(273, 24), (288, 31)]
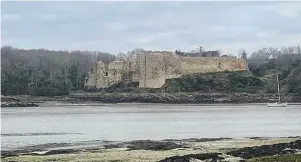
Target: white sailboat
[(279, 103)]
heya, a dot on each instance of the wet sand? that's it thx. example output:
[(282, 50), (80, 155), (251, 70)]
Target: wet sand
[(147, 152)]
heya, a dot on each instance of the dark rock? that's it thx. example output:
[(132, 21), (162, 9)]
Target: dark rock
[(177, 98), (118, 145), (152, 145), (8, 99), (18, 104), (242, 160), (145, 145), (265, 150), (5, 154), (61, 151), (259, 138), (198, 139), (210, 157)]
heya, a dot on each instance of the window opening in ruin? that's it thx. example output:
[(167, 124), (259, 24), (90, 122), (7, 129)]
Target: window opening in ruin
[(106, 73), (162, 68), (219, 64)]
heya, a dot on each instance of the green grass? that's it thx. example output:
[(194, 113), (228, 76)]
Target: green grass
[(278, 158), (239, 81)]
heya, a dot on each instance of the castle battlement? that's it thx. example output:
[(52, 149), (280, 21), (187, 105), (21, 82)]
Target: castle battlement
[(152, 68)]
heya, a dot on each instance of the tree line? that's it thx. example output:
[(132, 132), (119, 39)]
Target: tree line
[(267, 62), (47, 72)]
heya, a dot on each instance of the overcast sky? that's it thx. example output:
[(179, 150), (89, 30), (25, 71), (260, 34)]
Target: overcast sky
[(121, 26)]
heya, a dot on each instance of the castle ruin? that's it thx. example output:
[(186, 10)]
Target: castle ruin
[(152, 69)]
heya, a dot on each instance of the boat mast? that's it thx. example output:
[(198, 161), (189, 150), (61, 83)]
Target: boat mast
[(278, 88)]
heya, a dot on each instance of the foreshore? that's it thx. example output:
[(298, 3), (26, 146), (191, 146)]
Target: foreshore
[(162, 98), (168, 150), (182, 98)]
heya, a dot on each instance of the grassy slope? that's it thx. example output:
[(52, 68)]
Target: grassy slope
[(241, 81), (210, 82)]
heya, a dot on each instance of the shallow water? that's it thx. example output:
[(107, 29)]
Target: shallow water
[(119, 122)]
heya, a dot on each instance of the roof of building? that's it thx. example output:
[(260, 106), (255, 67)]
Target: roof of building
[(211, 53)]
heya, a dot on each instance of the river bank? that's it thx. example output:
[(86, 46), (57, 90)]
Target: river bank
[(169, 150), (7, 101), (182, 98), (35, 101), (167, 98)]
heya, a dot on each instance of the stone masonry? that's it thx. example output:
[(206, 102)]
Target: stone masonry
[(152, 69)]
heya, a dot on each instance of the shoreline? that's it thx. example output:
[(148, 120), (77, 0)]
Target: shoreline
[(161, 150), (99, 143), (181, 98), (146, 98)]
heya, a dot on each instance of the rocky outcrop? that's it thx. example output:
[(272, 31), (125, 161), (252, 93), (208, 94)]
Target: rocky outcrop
[(145, 145), (192, 152), (177, 98), (210, 157), (7, 101), (266, 150), (18, 104)]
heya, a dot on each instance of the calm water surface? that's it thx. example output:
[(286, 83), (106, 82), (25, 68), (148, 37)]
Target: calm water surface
[(28, 126)]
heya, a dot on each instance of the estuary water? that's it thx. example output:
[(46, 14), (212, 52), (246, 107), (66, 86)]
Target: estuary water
[(123, 122)]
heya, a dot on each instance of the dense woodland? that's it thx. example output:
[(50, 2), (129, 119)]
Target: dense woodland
[(45, 72)]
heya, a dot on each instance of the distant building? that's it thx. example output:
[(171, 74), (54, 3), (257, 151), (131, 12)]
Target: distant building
[(211, 54), (199, 54)]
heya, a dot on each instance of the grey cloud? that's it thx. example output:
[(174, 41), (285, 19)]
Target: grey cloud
[(121, 26), (9, 17)]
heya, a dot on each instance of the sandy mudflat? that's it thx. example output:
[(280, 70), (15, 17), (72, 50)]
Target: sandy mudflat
[(147, 151)]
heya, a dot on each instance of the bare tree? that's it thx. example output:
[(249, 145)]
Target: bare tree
[(243, 54), (273, 53), (201, 49), (121, 56), (284, 50), (291, 50), (135, 52)]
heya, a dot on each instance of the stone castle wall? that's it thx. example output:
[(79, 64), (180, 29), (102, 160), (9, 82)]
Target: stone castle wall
[(101, 79), (115, 71), (211, 64), (151, 69), (108, 74), (173, 67)]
